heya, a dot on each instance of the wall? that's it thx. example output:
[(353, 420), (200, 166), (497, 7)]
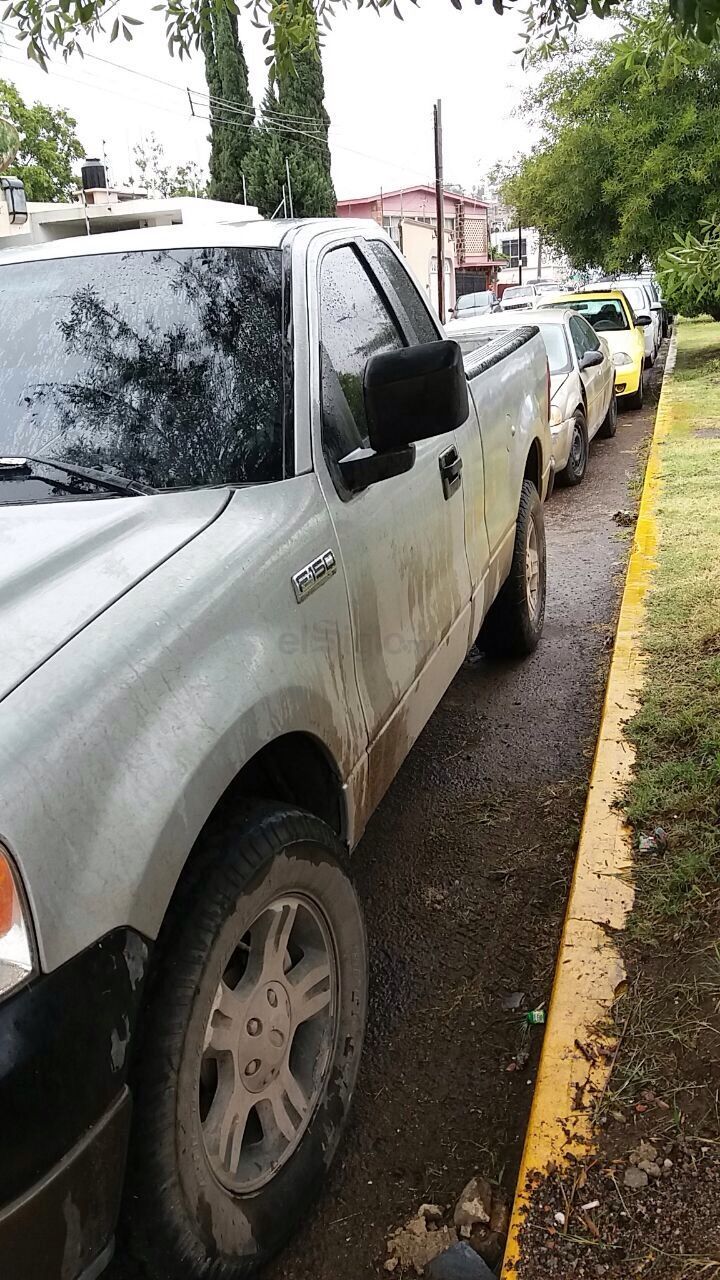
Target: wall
[(418, 244)]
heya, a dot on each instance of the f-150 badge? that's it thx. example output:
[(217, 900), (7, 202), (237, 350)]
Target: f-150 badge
[(306, 580)]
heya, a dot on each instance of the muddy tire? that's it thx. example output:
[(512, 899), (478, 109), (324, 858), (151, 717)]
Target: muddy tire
[(608, 426), (574, 470), (514, 624), (250, 1049)]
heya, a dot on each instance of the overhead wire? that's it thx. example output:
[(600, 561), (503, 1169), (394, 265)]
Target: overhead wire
[(282, 122)]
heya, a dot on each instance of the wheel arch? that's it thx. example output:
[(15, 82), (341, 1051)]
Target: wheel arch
[(534, 465)]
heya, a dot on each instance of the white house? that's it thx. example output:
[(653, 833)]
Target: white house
[(103, 209), (538, 262)]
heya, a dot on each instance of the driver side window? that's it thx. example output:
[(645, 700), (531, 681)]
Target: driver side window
[(579, 337), (355, 323)]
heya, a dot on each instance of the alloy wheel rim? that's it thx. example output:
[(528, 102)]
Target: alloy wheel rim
[(268, 1043), (532, 570)]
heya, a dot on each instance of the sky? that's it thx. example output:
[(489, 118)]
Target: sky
[(382, 77)]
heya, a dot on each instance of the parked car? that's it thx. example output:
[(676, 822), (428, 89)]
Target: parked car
[(582, 379), (611, 315), (642, 302), (524, 296), (475, 304), (253, 513)]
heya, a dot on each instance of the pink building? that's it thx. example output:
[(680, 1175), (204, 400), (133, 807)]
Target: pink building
[(466, 222)]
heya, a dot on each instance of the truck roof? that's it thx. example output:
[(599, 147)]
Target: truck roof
[(256, 233)]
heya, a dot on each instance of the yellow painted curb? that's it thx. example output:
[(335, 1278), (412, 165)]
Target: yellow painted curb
[(579, 1041)]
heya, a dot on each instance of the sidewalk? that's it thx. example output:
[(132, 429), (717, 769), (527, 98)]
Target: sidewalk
[(621, 1169)]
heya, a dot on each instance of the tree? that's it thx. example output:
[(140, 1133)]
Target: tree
[(9, 143), (46, 148), (231, 106), (630, 152), (294, 127), (690, 272), (61, 24), (159, 179)]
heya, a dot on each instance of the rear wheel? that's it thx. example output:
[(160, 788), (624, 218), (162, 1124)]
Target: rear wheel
[(514, 624), (574, 470), (609, 422), (251, 1047)]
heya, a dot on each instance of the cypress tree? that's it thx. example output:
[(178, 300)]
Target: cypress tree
[(294, 125), (231, 130)]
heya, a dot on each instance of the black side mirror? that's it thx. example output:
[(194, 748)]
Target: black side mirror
[(591, 359), (414, 394), (411, 394), (643, 321)]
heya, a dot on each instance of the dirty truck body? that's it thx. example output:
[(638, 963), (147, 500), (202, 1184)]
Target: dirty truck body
[(253, 514)]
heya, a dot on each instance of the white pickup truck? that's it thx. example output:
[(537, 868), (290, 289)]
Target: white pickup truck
[(253, 514)]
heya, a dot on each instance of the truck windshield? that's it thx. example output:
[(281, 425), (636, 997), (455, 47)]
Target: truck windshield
[(164, 367)]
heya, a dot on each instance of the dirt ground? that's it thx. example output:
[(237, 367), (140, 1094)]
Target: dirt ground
[(464, 872)]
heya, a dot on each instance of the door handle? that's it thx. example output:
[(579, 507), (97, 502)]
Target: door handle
[(451, 466)]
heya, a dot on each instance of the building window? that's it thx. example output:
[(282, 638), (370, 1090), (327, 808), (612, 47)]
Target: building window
[(509, 249)]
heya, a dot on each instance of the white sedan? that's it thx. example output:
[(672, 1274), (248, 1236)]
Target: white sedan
[(582, 379)]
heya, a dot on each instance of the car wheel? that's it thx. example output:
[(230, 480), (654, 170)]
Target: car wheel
[(574, 470), (514, 623), (609, 423), (250, 1050), (636, 400)]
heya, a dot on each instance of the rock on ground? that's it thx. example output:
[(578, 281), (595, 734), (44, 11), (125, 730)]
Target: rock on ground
[(459, 1262)]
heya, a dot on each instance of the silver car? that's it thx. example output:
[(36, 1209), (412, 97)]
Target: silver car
[(583, 401)]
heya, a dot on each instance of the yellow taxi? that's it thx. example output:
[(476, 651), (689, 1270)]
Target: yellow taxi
[(610, 313)]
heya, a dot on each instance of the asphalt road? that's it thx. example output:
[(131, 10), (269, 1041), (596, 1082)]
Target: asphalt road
[(464, 872)]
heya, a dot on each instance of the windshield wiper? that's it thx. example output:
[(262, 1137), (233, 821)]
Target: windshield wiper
[(116, 483)]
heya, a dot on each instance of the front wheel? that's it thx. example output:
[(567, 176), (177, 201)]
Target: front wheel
[(609, 423), (251, 1046), (574, 470), (514, 623), (636, 400)]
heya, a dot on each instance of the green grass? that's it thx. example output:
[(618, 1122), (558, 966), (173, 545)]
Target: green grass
[(677, 731)]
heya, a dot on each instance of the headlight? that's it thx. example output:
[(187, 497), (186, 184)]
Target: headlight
[(556, 417), (622, 357), (17, 960)]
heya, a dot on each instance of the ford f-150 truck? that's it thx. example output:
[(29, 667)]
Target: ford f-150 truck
[(254, 512)]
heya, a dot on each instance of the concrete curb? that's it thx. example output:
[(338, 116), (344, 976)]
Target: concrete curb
[(580, 1043)]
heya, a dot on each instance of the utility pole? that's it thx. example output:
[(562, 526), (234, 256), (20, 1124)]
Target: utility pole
[(519, 247), (440, 211), (540, 249), (289, 188)]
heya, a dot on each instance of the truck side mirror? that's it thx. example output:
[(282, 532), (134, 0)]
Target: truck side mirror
[(415, 393), (411, 394)]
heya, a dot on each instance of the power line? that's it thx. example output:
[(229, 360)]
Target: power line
[(227, 106)]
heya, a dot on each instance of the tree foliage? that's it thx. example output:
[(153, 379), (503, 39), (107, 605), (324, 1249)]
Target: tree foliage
[(160, 179), (46, 148), (231, 106), (294, 126), (46, 25), (690, 272), (630, 150)]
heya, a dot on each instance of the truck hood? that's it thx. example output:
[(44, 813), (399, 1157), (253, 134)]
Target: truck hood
[(64, 563)]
